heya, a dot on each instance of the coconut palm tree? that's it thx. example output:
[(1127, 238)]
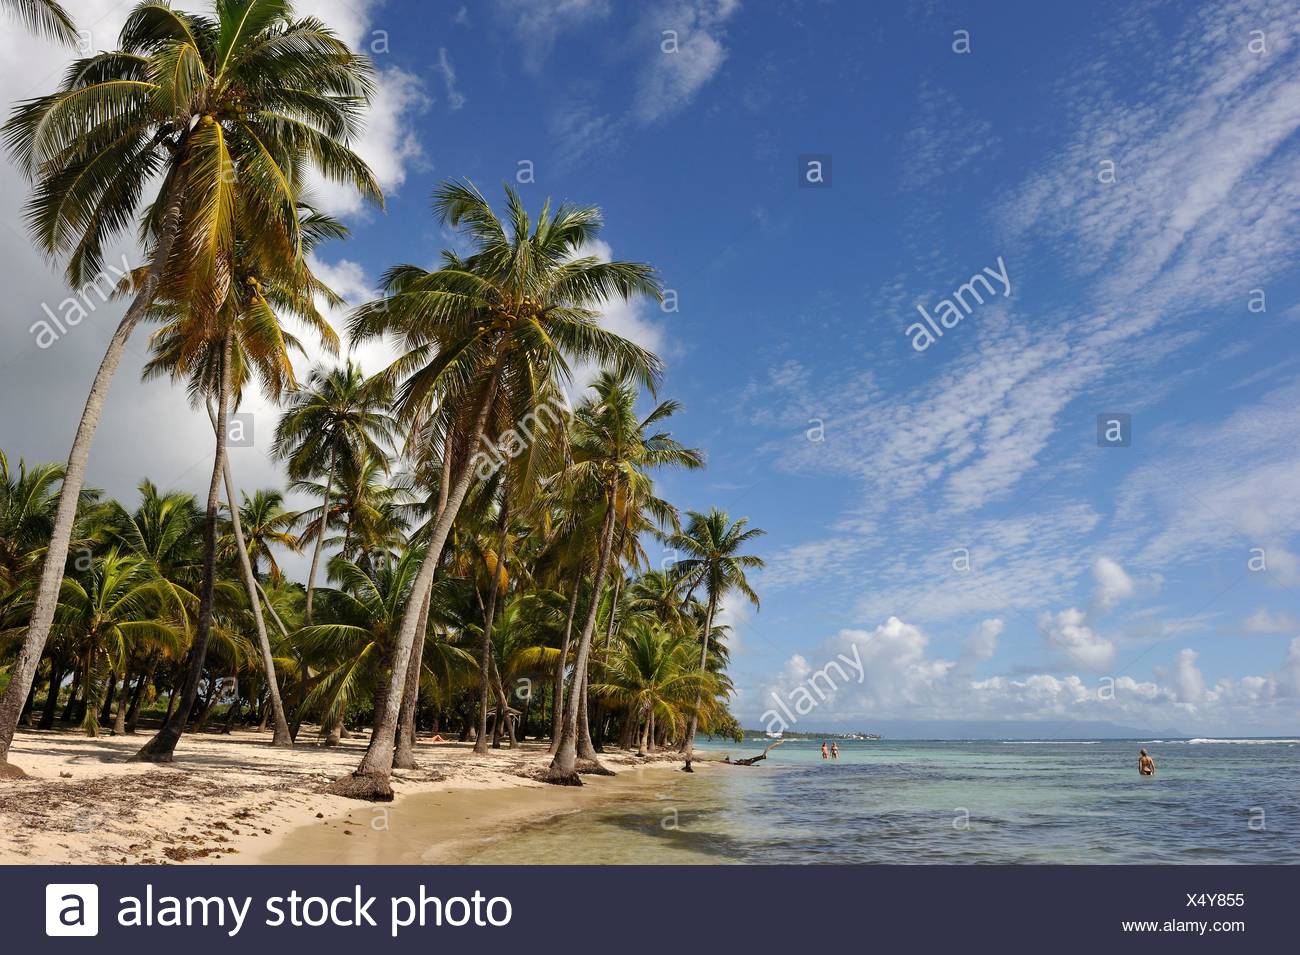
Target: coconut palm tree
[(196, 104), (490, 337), (44, 17), (266, 525), (651, 672), (112, 609), (613, 452), (217, 351), (712, 543), (27, 504), (337, 420), (355, 648)]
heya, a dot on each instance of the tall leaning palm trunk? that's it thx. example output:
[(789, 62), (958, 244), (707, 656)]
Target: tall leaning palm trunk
[(185, 102), (371, 780), (688, 744), (74, 479), (282, 736), (161, 747), (486, 682), (557, 701), (563, 769), (320, 536)]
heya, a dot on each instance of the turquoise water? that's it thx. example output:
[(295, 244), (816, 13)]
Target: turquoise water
[(948, 802)]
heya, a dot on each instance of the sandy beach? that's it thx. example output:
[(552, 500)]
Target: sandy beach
[(233, 799)]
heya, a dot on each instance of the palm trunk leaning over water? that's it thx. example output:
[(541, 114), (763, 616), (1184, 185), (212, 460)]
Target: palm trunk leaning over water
[(74, 479)]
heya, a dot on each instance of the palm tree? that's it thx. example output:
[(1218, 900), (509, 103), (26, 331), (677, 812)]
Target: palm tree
[(266, 525), (27, 503), (712, 544), (113, 608), (613, 450), (196, 104), (489, 336), (217, 350), (650, 671), (44, 17), (337, 420), (165, 531), (355, 648)]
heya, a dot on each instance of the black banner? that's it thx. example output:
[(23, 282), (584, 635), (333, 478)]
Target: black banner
[(637, 909)]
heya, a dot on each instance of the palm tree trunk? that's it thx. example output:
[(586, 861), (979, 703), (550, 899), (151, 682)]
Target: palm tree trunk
[(485, 652), (74, 478), (137, 698), (688, 745), (557, 704), (162, 746), (123, 697), (563, 769), (596, 743), (320, 537), (371, 778), (404, 757), (281, 737), (52, 695), (504, 721)]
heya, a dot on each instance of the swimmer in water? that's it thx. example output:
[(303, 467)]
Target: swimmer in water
[(823, 749), (1146, 765)]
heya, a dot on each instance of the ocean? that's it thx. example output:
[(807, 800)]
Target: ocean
[(958, 802)]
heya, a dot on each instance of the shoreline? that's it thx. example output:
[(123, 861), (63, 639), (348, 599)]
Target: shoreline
[(233, 799)]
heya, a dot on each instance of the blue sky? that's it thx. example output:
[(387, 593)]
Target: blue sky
[(945, 516)]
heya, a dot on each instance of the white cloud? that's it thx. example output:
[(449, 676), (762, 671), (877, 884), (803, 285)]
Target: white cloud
[(1113, 584), (537, 23), (983, 643), (901, 681), (1264, 620), (1189, 685), (455, 99), (690, 52), (1069, 633)]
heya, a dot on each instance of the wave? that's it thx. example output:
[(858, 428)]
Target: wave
[(1248, 742), (1050, 742)]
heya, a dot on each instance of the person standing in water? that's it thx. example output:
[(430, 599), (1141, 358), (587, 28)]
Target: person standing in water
[(835, 750), (1146, 765), (823, 749)]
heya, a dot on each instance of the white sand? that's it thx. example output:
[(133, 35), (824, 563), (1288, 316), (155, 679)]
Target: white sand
[(233, 798)]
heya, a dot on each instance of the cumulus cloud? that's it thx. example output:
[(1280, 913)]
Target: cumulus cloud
[(983, 643), (901, 680), (1069, 633), (1113, 584)]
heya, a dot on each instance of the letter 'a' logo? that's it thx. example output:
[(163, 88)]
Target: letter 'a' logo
[(71, 909)]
